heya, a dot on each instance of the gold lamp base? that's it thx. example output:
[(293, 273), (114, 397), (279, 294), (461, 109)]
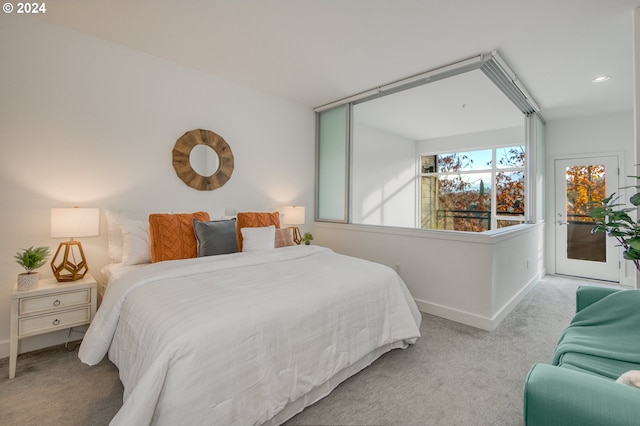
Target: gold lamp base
[(297, 238), (66, 269)]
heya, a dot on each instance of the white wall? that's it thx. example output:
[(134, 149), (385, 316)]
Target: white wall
[(587, 136), (383, 157), (91, 123), (518, 263), (498, 137), (472, 278)]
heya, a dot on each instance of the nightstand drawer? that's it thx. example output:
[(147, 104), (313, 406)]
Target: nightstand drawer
[(30, 305), (50, 307), (54, 321)]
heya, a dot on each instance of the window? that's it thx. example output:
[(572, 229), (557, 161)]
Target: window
[(462, 115), (473, 191), (332, 148)]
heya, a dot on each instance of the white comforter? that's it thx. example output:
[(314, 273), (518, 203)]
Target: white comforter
[(233, 339)]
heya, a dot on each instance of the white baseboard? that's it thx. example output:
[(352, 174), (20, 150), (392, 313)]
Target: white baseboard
[(475, 320), (456, 315)]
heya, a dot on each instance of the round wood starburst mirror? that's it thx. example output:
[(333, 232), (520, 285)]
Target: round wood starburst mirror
[(207, 167)]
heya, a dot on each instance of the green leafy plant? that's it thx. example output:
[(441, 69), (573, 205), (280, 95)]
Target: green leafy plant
[(307, 237), (32, 258), (614, 219)]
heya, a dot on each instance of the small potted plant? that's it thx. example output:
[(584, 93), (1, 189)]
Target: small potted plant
[(30, 259), (307, 237)]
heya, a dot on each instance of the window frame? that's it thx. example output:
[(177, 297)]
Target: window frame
[(493, 170)]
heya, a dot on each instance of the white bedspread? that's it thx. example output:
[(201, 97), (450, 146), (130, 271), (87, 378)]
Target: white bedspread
[(233, 339)]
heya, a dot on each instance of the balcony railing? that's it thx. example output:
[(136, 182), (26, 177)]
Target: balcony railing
[(467, 220)]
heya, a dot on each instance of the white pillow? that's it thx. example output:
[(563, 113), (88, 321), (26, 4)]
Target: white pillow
[(136, 247), (217, 213), (262, 238), (631, 378), (114, 220)]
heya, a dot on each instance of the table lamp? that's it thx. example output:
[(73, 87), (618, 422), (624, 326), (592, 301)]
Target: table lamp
[(69, 263), (294, 215)]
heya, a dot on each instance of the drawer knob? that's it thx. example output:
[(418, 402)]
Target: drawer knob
[(56, 321), (56, 302)]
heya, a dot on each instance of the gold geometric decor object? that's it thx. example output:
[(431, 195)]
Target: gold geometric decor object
[(68, 268), (184, 168), (69, 263)]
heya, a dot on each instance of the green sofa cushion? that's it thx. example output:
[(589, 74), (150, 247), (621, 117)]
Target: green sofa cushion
[(556, 396), (605, 367), (588, 295)]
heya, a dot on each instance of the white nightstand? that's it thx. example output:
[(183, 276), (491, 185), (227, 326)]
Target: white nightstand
[(50, 307)]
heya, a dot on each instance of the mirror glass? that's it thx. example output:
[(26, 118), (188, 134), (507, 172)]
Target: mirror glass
[(204, 160)]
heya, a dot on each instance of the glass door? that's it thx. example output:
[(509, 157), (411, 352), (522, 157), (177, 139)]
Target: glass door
[(580, 182)]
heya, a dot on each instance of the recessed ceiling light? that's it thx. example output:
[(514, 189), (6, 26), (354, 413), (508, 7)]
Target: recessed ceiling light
[(601, 79)]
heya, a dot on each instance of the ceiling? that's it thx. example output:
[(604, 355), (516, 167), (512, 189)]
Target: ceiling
[(317, 51), (464, 103)]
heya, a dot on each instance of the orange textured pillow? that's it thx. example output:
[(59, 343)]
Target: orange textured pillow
[(255, 220), (172, 236)]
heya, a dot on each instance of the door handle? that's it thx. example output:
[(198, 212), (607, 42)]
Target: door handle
[(559, 221)]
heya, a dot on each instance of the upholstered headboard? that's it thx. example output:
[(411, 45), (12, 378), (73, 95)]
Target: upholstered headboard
[(254, 220)]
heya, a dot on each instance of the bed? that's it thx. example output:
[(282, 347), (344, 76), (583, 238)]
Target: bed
[(245, 338)]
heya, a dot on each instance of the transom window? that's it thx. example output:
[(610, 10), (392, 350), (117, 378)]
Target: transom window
[(472, 191)]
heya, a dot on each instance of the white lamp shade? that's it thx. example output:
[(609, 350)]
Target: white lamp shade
[(293, 215), (75, 222)]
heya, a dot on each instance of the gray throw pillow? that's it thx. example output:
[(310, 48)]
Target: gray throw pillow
[(215, 237)]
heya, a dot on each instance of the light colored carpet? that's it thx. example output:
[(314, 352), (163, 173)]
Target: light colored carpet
[(454, 375)]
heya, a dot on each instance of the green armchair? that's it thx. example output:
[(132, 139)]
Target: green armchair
[(601, 343)]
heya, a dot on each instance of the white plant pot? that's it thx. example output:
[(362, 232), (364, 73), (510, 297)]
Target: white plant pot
[(27, 281)]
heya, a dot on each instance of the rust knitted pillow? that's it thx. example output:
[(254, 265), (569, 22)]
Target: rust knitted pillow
[(255, 220), (172, 236)]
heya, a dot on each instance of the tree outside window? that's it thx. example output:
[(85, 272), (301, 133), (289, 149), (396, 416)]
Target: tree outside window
[(457, 187), (585, 188)]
